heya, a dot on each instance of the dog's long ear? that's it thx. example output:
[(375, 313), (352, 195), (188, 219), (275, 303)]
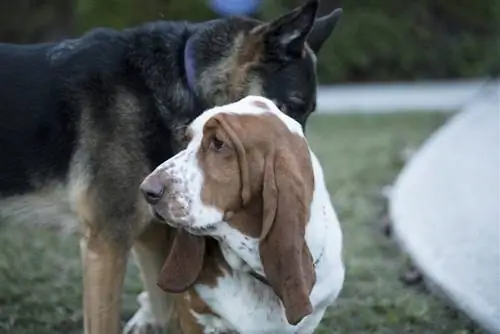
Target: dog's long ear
[(322, 29), (286, 259), (231, 127), (184, 262), (287, 35)]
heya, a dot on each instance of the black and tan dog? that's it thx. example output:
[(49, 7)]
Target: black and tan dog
[(83, 121)]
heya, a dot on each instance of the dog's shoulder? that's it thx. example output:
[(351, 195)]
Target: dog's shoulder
[(101, 39), (100, 50)]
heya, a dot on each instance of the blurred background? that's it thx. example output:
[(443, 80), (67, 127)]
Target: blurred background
[(378, 40), (393, 73)]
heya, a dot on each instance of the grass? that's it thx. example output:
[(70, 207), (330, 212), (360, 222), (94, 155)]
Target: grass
[(40, 274)]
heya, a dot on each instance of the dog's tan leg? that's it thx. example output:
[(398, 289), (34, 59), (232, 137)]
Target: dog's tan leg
[(104, 264), (157, 307)]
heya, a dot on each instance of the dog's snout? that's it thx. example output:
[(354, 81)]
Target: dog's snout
[(152, 189)]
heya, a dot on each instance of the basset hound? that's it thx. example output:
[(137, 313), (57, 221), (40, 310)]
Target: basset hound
[(258, 246)]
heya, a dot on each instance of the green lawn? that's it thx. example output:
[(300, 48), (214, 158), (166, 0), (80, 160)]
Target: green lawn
[(40, 275)]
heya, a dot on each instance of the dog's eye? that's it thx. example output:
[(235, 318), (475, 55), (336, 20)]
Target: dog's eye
[(216, 144)]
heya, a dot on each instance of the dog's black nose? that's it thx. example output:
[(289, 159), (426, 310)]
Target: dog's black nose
[(152, 189)]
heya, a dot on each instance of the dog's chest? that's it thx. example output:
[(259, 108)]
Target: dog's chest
[(241, 304), (213, 324)]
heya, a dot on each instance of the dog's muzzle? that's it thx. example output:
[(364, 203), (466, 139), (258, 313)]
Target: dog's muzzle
[(166, 196)]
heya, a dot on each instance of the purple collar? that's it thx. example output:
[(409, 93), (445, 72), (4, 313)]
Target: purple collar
[(189, 66)]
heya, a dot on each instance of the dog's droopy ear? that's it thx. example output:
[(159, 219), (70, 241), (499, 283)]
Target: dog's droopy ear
[(286, 259), (184, 263), (322, 29), (229, 124), (287, 35)]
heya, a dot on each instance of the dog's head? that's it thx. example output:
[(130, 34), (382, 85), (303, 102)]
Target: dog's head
[(246, 176), (234, 57)]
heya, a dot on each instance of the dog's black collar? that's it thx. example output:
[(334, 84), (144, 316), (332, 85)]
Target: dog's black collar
[(260, 278), (263, 280)]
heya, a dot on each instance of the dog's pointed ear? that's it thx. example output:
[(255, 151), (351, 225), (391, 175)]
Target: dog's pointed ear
[(287, 35), (184, 262), (322, 29), (286, 259)]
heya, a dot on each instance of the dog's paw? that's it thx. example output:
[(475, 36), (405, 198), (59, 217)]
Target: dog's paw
[(143, 321)]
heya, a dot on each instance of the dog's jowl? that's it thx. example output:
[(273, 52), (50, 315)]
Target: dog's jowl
[(83, 121)]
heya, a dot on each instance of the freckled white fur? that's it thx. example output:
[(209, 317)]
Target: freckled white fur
[(185, 193), (244, 304)]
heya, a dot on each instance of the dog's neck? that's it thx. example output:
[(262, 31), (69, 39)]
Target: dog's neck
[(216, 78), (241, 250), (191, 75)]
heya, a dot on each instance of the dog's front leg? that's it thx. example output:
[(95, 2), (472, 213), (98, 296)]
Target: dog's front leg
[(104, 264), (156, 306)]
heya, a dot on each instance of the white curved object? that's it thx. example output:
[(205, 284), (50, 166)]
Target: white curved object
[(445, 209)]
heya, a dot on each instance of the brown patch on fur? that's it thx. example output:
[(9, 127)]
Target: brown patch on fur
[(186, 320), (255, 167), (192, 259), (249, 51), (287, 261), (232, 77), (234, 175), (214, 264), (222, 166), (186, 304), (184, 262)]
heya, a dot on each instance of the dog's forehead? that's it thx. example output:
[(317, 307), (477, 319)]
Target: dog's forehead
[(250, 105)]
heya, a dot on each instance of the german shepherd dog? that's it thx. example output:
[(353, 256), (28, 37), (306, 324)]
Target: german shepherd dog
[(85, 120)]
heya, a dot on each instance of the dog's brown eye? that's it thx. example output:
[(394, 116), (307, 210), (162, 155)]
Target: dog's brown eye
[(216, 144)]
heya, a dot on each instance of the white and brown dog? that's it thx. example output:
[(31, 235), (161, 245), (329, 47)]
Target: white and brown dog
[(259, 246)]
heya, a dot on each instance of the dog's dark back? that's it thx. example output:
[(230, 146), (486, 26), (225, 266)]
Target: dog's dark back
[(108, 92), (30, 127)]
